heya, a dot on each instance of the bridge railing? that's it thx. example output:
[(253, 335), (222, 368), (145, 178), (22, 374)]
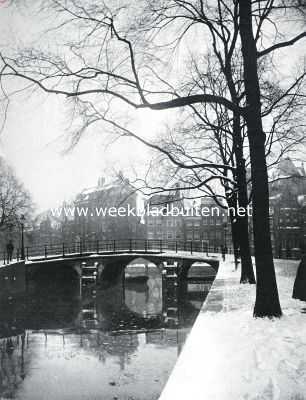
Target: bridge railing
[(85, 247), (125, 245)]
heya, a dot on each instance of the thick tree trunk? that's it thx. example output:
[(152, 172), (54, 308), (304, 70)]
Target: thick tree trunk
[(247, 273), (267, 300)]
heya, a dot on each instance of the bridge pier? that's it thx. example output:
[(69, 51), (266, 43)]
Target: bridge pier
[(112, 273), (170, 292), (183, 269)]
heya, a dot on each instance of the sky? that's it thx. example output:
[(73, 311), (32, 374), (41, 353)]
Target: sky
[(35, 133), (37, 130), (35, 137)]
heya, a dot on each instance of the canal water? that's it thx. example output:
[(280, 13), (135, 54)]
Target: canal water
[(119, 341)]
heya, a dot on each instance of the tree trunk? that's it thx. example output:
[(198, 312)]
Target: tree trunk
[(242, 223), (232, 204), (267, 300), (247, 273), (235, 241)]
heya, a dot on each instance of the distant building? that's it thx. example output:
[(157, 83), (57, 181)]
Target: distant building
[(215, 229), (53, 227), (160, 224), (287, 191), (192, 222), (96, 226), (208, 229)]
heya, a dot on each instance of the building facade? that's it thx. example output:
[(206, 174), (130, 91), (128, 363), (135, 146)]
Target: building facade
[(215, 228), (105, 225), (287, 193), (161, 224), (205, 224)]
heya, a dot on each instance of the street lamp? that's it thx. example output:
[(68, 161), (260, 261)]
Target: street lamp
[(224, 234), (22, 220)]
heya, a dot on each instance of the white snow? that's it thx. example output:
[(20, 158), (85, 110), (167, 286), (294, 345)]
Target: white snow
[(231, 355)]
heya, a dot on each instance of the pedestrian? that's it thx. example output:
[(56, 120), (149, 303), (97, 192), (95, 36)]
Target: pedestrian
[(10, 250), (223, 251)]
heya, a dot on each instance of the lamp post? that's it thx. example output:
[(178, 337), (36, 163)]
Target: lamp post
[(224, 233), (22, 220)]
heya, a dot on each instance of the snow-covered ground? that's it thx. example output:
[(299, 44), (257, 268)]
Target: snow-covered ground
[(231, 355)]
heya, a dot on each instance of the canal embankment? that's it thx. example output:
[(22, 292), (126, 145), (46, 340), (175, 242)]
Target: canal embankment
[(230, 355), (13, 279)]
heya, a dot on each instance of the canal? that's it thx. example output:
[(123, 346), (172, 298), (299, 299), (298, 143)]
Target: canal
[(119, 341)]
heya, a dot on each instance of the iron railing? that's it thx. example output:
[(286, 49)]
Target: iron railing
[(87, 247)]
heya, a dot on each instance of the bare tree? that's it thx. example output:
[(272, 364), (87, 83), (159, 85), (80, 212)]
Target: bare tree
[(14, 198), (118, 56)]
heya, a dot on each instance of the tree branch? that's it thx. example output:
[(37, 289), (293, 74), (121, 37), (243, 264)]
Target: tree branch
[(281, 44)]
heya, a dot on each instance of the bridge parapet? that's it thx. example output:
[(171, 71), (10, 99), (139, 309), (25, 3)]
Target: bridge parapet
[(83, 248)]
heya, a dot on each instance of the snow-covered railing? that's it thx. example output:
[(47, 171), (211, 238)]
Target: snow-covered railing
[(85, 247)]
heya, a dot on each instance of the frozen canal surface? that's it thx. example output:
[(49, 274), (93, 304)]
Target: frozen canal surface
[(116, 344)]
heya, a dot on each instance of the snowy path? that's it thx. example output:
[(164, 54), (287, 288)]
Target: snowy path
[(230, 355)]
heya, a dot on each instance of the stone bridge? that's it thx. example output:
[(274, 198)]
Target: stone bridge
[(63, 263), (112, 256), (110, 267)]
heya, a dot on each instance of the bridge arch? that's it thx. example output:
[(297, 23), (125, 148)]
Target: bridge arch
[(198, 269), (53, 277), (114, 267), (146, 261)]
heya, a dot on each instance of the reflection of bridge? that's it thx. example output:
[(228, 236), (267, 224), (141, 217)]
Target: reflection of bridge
[(48, 306)]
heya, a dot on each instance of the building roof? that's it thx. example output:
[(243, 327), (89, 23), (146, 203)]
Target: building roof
[(162, 199), (88, 193), (287, 168)]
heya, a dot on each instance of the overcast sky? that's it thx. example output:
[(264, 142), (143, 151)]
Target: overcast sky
[(35, 135)]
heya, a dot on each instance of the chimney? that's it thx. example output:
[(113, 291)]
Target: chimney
[(101, 181)]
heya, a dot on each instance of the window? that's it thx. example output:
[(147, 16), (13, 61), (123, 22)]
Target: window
[(218, 235), (205, 235)]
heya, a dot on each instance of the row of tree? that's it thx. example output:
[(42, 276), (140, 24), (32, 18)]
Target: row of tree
[(217, 61)]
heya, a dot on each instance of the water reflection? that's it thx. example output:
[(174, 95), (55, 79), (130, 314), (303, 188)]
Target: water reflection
[(113, 343)]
